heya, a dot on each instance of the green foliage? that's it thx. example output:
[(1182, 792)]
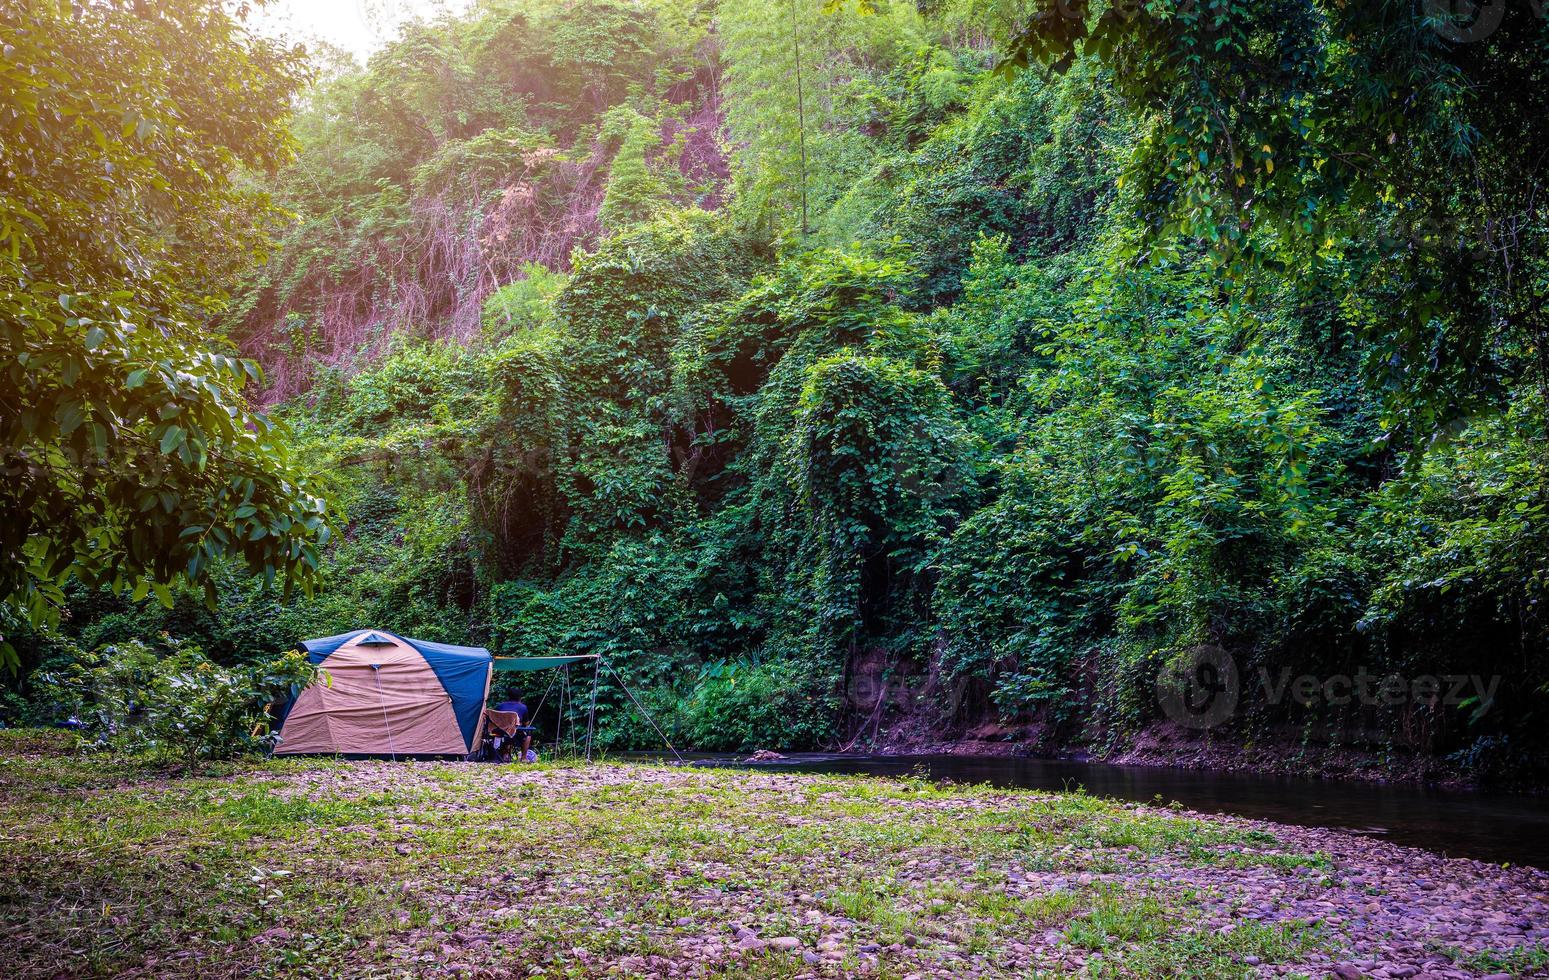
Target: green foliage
[(131, 458), (468, 152), (1166, 488), (1365, 138), (795, 81), (523, 303), (1464, 540), (601, 47), (176, 705), (1026, 160), (1069, 373), (634, 191), (741, 707), (880, 463)]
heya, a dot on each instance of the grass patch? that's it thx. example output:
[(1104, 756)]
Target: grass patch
[(1119, 919), (1207, 956), (1521, 961)]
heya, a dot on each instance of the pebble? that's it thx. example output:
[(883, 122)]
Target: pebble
[(1385, 910)]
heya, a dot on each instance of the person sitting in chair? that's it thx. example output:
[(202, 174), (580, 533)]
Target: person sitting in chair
[(513, 703)]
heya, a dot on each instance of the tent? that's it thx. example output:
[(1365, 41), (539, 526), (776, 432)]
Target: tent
[(384, 694)]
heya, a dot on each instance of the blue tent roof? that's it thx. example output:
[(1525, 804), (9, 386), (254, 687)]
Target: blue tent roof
[(323, 646), (462, 671)]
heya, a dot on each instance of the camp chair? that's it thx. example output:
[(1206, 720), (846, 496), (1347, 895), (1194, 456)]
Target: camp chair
[(500, 730)]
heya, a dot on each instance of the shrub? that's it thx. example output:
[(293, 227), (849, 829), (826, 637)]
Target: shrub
[(737, 707), (524, 303), (179, 706)]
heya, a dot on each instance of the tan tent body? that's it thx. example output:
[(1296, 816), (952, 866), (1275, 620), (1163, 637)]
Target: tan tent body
[(381, 694)]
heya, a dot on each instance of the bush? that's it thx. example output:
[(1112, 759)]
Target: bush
[(737, 707), (523, 304), (178, 707)]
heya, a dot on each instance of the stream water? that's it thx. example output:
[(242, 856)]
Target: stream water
[(1493, 827)]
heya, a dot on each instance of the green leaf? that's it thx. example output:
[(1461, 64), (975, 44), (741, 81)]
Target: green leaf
[(172, 438), (69, 415)]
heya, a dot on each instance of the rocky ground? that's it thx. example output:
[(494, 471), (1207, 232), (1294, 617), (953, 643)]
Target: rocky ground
[(324, 868)]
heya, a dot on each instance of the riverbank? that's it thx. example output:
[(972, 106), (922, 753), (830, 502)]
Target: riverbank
[(1166, 745), (372, 868)]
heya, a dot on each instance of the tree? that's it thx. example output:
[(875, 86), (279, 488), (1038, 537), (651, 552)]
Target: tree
[(1387, 145), (793, 110), (130, 456), (801, 113), (634, 190)]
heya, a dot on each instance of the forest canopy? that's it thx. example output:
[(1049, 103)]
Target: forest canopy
[(834, 369)]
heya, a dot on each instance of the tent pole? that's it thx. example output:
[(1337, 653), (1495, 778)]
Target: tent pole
[(489, 680), (591, 714), (544, 698), (647, 714)]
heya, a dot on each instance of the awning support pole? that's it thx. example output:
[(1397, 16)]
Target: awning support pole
[(566, 708), (591, 714), (641, 708)]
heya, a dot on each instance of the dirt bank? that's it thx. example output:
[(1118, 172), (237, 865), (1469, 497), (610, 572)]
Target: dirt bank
[(1168, 745)]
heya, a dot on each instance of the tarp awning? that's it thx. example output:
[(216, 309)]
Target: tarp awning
[(538, 663)]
